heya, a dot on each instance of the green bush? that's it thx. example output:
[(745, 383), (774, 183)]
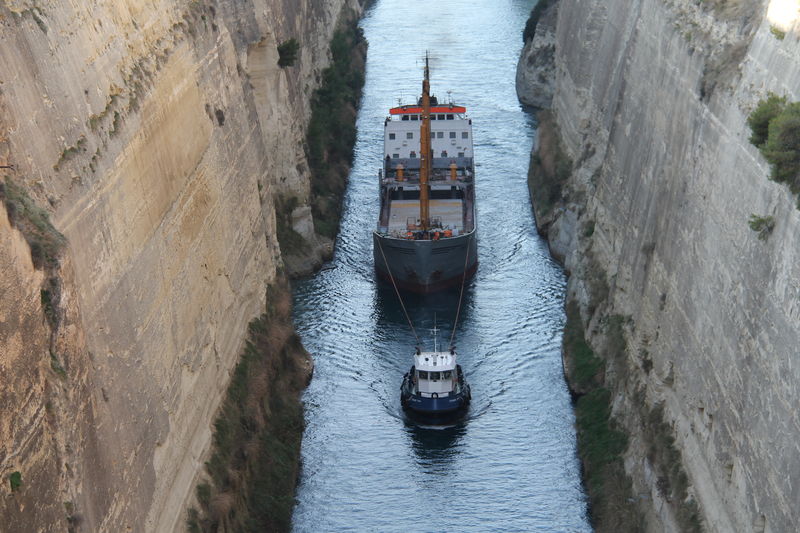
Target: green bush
[(287, 52), (777, 32), (762, 225), (15, 479), (760, 118), (782, 148)]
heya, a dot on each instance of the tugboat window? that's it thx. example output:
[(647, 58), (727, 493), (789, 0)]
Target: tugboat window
[(391, 136), (446, 374), (435, 376), (423, 374)]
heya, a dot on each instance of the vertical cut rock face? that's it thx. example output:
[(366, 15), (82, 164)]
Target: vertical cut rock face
[(156, 134), (651, 99)]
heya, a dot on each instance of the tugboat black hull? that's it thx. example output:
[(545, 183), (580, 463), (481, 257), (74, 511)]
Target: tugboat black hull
[(433, 406)]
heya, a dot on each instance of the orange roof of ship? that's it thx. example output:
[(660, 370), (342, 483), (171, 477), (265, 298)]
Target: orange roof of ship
[(408, 109)]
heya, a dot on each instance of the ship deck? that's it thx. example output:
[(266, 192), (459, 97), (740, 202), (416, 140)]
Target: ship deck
[(449, 211)]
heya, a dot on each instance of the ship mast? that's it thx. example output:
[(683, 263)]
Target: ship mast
[(425, 151)]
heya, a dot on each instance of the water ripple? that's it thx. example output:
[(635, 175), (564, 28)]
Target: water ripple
[(510, 463)]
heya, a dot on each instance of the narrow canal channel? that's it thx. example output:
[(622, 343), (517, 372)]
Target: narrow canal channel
[(511, 464)]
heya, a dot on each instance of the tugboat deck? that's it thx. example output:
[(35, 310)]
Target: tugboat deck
[(449, 211)]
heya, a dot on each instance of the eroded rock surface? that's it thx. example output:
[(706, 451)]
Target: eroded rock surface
[(157, 135), (651, 100)]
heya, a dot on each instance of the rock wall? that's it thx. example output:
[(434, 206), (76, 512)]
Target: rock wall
[(157, 135), (535, 81), (651, 99)]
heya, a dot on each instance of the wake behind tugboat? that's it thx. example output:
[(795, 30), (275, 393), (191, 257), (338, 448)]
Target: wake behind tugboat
[(426, 229)]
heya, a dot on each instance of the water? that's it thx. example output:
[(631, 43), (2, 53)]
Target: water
[(511, 464)]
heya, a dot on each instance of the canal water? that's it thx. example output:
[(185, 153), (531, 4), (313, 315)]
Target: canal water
[(510, 465)]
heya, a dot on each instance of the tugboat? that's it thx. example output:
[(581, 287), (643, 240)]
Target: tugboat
[(435, 388), (426, 238)]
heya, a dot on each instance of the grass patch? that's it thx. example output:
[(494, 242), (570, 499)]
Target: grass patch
[(46, 243), (256, 445), (600, 448), (15, 480), (331, 132), (777, 32), (287, 52), (673, 484), (601, 443), (762, 225), (533, 20), (585, 368)]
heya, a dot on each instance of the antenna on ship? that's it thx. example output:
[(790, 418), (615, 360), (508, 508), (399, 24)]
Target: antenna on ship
[(425, 150)]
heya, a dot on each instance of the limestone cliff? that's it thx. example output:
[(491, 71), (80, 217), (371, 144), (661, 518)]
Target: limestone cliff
[(535, 81), (156, 135), (651, 100)]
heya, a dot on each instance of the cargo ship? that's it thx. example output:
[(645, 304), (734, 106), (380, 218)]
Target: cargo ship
[(426, 235)]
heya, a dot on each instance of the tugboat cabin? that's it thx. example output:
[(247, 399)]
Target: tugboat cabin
[(435, 374)]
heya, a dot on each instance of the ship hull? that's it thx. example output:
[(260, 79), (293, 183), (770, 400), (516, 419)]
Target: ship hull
[(425, 266)]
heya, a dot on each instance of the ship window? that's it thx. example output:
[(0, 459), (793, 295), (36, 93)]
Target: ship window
[(413, 155), (395, 156), (452, 135), (440, 135), (441, 117), (433, 117), (444, 153), (434, 376), (449, 117), (409, 135), (460, 154), (405, 117), (447, 374), (423, 374), (414, 117), (464, 135), (391, 136)]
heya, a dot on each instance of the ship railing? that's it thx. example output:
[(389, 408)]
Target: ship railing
[(417, 234)]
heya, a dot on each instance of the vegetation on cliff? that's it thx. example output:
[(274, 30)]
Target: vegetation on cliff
[(254, 464), (775, 125), (45, 241), (602, 440), (287, 52), (331, 131), (601, 443), (533, 20)]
